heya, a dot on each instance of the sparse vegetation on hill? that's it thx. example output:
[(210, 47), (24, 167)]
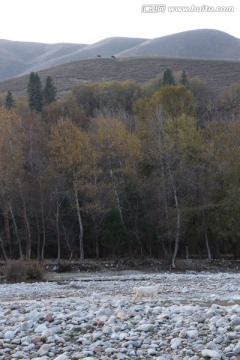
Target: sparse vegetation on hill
[(195, 44), (218, 75), (19, 58)]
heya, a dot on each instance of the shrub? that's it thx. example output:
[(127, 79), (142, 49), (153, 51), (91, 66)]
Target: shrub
[(34, 271), (64, 267), (20, 270), (15, 271)]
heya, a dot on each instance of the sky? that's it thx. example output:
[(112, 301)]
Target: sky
[(89, 21)]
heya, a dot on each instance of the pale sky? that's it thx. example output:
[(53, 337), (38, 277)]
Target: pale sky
[(89, 21)]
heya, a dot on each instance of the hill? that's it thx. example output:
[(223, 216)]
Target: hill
[(200, 44), (105, 48), (19, 58), (218, 74)]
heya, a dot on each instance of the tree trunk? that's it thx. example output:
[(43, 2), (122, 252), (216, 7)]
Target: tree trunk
[(135, 231), (169, 255), (28, 231), (3, 250), (178, 220), (115, 190), (67, 242), (164, 249), (27, 225), (97, 245), (58, 232), (16, 231), (206, 236), (80, 236), (58, 229), (43, 223), (38, 239), (7, 229)]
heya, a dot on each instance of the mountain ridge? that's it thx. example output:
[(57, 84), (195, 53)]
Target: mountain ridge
[(199, 44), (18, 58)]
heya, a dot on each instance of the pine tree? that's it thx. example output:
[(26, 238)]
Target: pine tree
[(168, 78), (9, 101), (49, 91), (34, 91), (183, 78)]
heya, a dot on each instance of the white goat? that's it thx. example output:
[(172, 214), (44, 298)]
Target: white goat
[(146, 291)]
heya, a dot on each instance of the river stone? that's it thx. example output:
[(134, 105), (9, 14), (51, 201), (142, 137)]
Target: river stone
[(40, 328), (211, 353), (152, 352), (44, 349), (9, 335), (235, 321), (46, 333), (212, 346), (192, 334), (146, 327), (175, 343), (236, 350), (122, 336), (230, 354), (121, 356), (49, 317), (110, 351), (232, 335)]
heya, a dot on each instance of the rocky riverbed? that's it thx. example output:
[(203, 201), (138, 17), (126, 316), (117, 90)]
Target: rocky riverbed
[(195, 316)]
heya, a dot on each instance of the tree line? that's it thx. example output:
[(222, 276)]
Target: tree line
[(118, 169)]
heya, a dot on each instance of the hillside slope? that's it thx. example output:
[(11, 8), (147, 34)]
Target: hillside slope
[(18, 57), (105, 48), (201, 44), (218, 74)]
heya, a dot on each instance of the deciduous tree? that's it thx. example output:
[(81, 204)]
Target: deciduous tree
[(229, 103), (204, 99), (11, 162), (72, 156)]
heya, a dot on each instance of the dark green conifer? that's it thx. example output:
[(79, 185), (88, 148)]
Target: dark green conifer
[(168, 78), (183, 78), (9, 101), (49, 91), (34, 91)]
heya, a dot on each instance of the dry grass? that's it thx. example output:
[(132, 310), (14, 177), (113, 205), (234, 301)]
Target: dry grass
[(20, 270), (218, 74)]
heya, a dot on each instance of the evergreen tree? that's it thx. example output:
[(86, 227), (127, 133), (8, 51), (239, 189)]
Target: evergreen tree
[(9, 101), (183, 78), (49, 91), (168, 78), (34, 91)]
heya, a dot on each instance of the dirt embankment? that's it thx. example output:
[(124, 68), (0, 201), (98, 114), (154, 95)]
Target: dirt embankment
[(148, 264)]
